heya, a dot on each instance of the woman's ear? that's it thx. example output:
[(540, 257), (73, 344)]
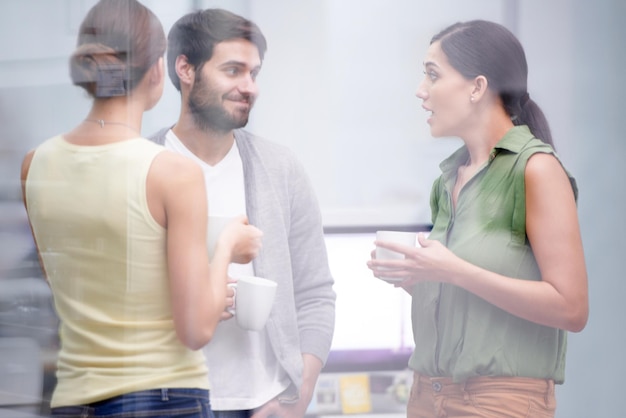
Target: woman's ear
[(480, 87)]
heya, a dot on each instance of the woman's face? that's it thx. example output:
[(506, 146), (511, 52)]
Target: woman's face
[(446, 94)]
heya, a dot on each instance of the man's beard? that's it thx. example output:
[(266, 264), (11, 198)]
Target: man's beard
[(207, 111)]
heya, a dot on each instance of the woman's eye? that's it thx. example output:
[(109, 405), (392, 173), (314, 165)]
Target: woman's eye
[(432, 75)]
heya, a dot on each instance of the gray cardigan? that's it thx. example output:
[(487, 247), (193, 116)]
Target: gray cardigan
[(281, 202)]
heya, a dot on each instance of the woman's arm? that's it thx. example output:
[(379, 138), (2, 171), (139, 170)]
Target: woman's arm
[(553, 231), (560, 299), (177, 199)]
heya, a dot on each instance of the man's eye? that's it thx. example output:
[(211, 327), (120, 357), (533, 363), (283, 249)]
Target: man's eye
[(232, 71)]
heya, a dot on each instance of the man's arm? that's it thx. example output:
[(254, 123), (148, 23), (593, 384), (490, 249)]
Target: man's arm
[(313, 282), (314, 297), (312, 369)]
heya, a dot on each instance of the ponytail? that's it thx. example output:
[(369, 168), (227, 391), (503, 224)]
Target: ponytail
[(529, 113)]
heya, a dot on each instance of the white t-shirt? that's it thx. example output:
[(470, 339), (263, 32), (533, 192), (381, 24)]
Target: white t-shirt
[(243, 370)]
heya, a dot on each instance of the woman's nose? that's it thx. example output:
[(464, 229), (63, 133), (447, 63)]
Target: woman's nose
[(421, 92)]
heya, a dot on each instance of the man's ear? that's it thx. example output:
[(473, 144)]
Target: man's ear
[(184, 70)]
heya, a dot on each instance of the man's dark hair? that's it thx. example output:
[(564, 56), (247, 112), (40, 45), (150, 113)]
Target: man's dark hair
[(196, 34)]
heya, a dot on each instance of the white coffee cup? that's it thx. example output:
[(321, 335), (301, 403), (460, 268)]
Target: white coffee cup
[(399, 237), (214, 230), (254, 298)]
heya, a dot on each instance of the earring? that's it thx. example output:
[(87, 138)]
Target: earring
[(471, 98)]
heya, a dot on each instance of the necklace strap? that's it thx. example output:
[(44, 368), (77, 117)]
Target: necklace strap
[(103, 122)]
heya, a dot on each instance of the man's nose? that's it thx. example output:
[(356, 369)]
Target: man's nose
[(248, 85)]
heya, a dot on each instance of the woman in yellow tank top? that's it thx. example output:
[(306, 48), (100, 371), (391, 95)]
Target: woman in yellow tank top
[(120, 226)]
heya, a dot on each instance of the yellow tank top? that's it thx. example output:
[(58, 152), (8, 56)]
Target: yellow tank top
[(105, 259)]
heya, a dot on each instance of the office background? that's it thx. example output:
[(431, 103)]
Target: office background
[(338, 88)]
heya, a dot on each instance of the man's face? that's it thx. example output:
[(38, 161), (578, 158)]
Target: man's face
[(224, 88)]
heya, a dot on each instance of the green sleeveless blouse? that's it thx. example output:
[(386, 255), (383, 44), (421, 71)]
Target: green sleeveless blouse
[(458, 334)]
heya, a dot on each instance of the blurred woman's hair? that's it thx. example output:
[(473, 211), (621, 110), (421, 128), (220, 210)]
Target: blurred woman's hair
[(118, 41), (479, 47)]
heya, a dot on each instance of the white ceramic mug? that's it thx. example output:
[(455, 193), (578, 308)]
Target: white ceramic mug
[(399, 237), (254, 298)]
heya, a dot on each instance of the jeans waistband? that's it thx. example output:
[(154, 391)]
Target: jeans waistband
[(163, 393)]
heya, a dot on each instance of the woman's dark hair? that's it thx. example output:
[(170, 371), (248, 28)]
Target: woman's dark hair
[(485, 48), (196, 34), (118, 41)]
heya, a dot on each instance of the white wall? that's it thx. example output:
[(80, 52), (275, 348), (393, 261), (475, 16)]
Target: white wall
[(591, 135), (338, 86)]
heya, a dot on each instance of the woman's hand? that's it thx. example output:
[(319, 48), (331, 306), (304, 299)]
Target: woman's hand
[(430, 261), (230, 301)]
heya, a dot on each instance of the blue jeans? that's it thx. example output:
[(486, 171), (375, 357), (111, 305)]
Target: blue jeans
[(233, 414), (161, 403)]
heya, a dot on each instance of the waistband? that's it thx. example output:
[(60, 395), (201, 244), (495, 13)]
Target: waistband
[(163, 394), (445, 385)]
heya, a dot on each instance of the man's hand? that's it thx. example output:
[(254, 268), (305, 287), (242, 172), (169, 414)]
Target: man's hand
[(276, 409)]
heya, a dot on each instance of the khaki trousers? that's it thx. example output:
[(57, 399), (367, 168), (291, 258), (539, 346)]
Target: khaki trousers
[(492, 397)]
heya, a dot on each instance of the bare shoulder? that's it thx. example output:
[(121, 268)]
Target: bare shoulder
[(541, 162), (544, 166), (172, 181), (170, 167), (546, 178)]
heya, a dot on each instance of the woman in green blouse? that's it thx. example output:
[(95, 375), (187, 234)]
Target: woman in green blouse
[(502, 277)]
